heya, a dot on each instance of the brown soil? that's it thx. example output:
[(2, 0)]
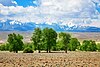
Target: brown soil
[(71, 59)]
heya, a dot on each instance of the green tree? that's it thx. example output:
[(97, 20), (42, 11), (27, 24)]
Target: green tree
[(15, 42), (65, 37), (59, 45), (49, 36), (84, 46), (74, 44), (88, 45), (36, 38), (92, 46)]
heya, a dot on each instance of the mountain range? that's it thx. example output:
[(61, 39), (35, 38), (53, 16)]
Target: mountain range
[(11, 25)]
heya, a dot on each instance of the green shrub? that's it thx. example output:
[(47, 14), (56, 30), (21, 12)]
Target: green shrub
[(28, 50), (28, 45), (98, 47), (4, 47)]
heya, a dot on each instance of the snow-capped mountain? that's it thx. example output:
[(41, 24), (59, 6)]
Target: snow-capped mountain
[(10, 25)]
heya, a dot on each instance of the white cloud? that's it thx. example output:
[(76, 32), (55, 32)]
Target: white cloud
[(14, 2), (52, 11)]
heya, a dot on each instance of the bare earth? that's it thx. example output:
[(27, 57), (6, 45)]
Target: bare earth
[(71, 59)]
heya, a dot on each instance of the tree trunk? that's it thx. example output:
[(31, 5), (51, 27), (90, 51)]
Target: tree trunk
[(16, 51), (39, 51), (47, 50), (65, 51)]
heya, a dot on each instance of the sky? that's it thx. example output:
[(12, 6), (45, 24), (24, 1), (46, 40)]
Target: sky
[(63, 12)]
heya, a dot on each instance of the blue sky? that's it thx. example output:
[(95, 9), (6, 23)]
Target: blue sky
[(26, 3), (68, 12)]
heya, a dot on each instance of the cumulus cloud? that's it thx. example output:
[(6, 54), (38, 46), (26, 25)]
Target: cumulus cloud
[(52, 11)]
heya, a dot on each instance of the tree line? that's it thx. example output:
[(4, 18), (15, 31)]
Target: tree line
[(49, 40)]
